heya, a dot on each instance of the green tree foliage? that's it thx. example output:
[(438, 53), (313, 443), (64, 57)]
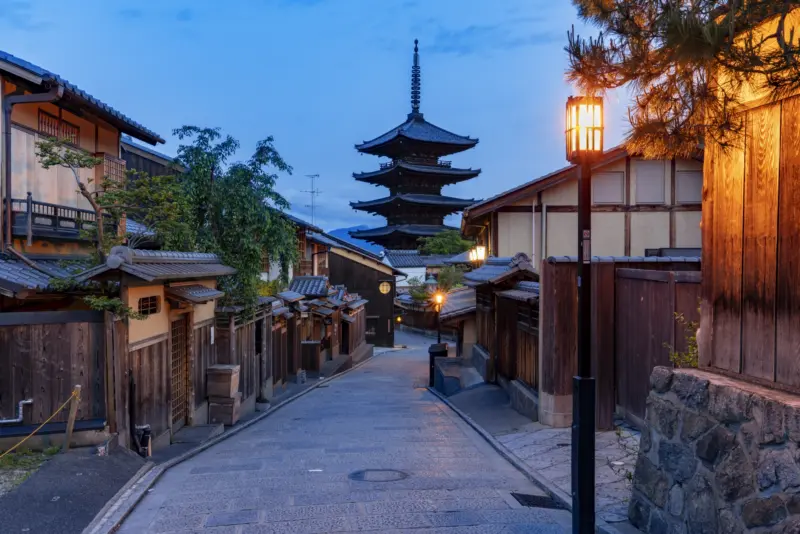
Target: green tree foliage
[(450, 277), (417, 289), (447, 242), (231, 204), (669, 54)]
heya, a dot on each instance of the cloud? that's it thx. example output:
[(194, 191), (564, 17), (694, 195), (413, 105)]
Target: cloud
[(476, 39), (184, 15), (17, 14), (131, 13)]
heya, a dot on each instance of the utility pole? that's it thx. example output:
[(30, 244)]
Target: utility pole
[(314, 192)]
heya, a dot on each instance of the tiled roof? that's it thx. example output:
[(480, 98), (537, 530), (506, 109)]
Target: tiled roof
[(71, 91), (496, 270), (17, 276), (525, 291), (418, 129), (195, 293), (322, 310), (335, 302), (459, 302), (152, 265), (459, 259), (291, 296), (332, 241), (135, 228), (415, 198), (412, 258), (310, 286), (356, 303), (419, 230), (296, 220), (453, 174)]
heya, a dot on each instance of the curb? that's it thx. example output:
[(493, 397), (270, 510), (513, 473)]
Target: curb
[(555, 492), (126, 499)]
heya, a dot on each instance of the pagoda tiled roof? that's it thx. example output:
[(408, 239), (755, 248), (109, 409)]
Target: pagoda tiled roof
[(415, 198), (447, 174), (417, 128), (417, 230)]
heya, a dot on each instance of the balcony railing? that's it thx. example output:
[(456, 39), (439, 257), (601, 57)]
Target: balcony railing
[(31, 218), (417, 161)]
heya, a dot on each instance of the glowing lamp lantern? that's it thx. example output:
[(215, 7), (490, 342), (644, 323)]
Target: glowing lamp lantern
[(480, 253), (584, 133), (438, 298)]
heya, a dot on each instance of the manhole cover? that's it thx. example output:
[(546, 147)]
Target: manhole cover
[(378, 475), (536, 501)]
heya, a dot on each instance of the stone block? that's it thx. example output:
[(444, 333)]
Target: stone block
[(646, 441), (660, 379), (701, 506), (734, 476), (763, 512), (777, 466), (792, 419), (662, 415), (675, 500), (524, 400), (677, 459), (651, 481), (715, 444), (728, 404), (729, 522), (639, 511), (691, 389), (694, 425), (793, 504), (769, 416)]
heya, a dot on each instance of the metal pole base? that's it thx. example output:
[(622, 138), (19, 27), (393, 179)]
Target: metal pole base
[(583, 479)]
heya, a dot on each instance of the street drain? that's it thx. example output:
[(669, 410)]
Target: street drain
[(377, 475), (536, 501)]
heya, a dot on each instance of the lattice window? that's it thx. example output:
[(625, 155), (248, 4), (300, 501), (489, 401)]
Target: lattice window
[(149, 305), (52, 126), (264, 263), (113, 168)]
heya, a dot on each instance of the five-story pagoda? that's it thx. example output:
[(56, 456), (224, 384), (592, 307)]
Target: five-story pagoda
[(415, 176)]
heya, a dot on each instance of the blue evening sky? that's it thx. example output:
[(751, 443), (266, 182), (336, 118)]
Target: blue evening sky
[(321, 76)]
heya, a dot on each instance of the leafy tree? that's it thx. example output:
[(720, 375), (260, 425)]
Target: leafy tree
[(447, 242), (417, 289), (232, 201), (670, 54), (450, 277), (53, 152)]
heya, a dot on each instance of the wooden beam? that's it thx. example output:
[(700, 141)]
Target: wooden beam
[(672, 203), (628, 205), (515, 209), (624, 209)]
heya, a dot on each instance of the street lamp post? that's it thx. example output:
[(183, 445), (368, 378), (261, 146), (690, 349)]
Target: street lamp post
[(438, 300), (584, 140)]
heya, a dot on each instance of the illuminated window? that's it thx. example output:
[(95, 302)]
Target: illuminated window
[(149, 305), (385, 287)]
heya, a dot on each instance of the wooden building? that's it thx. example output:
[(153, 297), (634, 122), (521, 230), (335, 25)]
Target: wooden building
[(639, 207), (459, 311), (415, 177), (158, 365), (412, 264), (141, 158), (365, 274)]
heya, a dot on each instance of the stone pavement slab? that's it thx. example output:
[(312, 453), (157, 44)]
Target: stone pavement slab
[(547, 450), (368, 452)]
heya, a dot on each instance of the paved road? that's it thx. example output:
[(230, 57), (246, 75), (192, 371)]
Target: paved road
[(367, 451)]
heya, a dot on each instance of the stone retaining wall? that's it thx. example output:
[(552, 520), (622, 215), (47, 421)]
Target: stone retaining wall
[(718, 455)]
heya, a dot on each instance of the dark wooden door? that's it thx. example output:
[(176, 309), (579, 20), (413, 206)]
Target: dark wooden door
[(180, 377)]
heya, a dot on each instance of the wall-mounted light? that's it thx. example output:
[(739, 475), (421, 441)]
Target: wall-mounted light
[(385, 287)]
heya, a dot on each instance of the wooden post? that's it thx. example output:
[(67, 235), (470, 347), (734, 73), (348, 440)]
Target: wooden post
[(29, 221), (110, 353), (73, 412)]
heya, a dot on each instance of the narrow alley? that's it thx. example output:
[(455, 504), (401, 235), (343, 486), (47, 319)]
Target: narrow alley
[(372, 450)]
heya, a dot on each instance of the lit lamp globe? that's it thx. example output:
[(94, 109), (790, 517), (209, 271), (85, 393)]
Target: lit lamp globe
[(584, 132)]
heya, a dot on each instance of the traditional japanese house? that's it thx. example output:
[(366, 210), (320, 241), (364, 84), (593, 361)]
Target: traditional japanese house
[(415, 177), (414, 265), (142, 158), (158, 366), (495, 275), (299, 328), (459, 311), (365, 274), (639, 207), (313, 260)]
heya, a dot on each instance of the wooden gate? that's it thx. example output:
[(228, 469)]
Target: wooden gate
[(179, 375), (646, 304)]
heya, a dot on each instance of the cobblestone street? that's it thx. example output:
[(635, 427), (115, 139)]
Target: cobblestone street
[(368, 451)]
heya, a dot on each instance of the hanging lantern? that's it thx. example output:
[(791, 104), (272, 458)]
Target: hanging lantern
[(584, 133)]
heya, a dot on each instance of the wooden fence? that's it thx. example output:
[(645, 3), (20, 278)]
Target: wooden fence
[(43, 355), (645, 328), (559, 324)]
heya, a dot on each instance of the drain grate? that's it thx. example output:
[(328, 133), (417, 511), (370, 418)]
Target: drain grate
[(537, 501), (377, 475)]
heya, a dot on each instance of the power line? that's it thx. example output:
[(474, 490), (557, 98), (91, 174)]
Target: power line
[(314, 192)]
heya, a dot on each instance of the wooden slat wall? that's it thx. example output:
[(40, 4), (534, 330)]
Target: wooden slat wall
[(787, 348), (151, 374), (751, 249), (559, 308), (507, 338), (760, 242), (205, 356), (45, 361), (295, 329)]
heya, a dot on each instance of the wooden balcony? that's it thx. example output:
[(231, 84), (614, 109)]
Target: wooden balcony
[(31, 218)]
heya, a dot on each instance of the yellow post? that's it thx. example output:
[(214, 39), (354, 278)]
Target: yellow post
[(73, 413)]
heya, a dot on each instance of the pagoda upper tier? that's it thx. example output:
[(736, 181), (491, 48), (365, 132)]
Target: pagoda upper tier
[(415, 207)]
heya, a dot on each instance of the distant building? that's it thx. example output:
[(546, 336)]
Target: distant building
[(415, 176), (414, 265)]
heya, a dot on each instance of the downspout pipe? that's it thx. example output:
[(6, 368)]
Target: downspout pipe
[(53, 95), (20, 412)]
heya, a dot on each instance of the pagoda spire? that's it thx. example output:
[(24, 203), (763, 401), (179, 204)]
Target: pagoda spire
[(415, 81)]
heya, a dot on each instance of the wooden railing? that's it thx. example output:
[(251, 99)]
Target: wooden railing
[(32, 218)]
